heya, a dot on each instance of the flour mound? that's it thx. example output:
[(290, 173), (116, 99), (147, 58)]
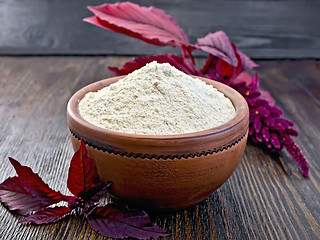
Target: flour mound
[(157, 99)]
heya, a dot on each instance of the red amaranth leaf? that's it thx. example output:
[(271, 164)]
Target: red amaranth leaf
[(219, 45), (178, 62), (48, 215), (118, 221), (83, 173), (224, 60), (93, 195), (210, 65), (247, 62), (244, 77), (149, 24), (16, 198), (226, 70), (34, 185)]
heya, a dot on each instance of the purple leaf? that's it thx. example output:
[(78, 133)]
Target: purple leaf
[(48, 215), (178, 62), (82, 171), (34, 185), (247, 62), (148, 24), (210, 65), (219, 45), (16, 198), (245, 78), (118, 221), (226, 70), (93, 195)]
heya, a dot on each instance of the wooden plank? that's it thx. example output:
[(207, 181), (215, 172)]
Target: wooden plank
[(265, 198), (262, 29)]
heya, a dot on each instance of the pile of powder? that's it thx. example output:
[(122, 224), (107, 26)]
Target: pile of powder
[(157, 99)]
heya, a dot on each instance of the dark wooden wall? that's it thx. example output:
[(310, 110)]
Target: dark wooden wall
[(263, 29)]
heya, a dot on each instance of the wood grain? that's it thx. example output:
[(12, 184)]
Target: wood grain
[(262, 29), (266, 198)]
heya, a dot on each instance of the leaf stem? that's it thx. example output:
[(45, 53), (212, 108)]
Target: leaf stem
[(183, 49), (190, 55)]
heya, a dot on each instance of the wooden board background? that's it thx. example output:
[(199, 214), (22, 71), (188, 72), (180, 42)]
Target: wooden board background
[(263, 29), (265, 198)]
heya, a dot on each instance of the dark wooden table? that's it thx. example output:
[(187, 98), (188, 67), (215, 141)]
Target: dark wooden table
[(265, 198)]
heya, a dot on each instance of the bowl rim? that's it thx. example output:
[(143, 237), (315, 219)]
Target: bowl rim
[(235, 97)]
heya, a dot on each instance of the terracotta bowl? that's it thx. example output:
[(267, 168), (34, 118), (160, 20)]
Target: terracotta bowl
[(163, 172)]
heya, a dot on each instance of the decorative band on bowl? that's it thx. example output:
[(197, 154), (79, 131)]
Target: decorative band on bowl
[(161, 157)]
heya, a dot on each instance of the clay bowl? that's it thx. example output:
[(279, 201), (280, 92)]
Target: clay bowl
[(163, 172)]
